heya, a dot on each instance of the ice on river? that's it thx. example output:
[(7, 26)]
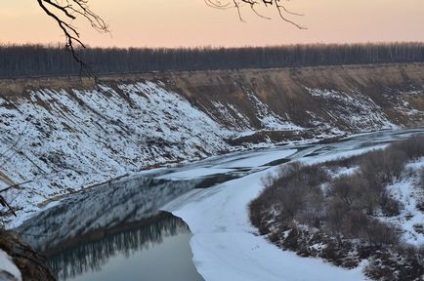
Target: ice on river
[(228, 164), (226, 246)]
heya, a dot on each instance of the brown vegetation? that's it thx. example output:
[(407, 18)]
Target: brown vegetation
[(303, 206)]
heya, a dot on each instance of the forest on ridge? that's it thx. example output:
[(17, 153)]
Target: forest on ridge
[(49, 60)]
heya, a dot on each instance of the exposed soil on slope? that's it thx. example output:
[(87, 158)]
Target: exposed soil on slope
[(283, 90)]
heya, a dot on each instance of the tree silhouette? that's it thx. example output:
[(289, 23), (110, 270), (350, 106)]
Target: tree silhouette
[(63, 11)]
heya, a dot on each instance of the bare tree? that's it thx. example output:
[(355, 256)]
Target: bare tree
[(66, 11), (280, 5)]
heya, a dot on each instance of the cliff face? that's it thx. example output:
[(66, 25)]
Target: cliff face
[(65, 134), (354, 98)]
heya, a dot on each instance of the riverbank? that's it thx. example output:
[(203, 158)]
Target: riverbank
[(210, 195), (226, 245), (66, 135)]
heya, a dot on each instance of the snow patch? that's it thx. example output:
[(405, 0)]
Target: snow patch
[(356, 110)]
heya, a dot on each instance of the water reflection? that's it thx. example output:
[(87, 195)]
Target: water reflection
[(88, 229), (154, 249), (118, 203)]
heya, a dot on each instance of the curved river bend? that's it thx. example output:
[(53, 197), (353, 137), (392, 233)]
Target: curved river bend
[(117, 231)]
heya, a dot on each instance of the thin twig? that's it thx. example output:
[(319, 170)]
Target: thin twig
[(61, 11), (254, 5)]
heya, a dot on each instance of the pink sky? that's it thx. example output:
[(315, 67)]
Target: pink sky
[(188, 23)]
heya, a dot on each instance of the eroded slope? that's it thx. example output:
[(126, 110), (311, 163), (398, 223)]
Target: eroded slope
[(65, 134)]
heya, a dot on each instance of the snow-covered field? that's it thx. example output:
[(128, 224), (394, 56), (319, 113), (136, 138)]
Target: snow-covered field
[(367, 112)]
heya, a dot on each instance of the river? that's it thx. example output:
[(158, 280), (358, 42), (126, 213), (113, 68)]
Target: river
[(118, 230)]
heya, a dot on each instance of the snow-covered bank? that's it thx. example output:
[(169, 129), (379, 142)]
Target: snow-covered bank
[(60, 135), (64, 141), (226, 246), (217, 215)]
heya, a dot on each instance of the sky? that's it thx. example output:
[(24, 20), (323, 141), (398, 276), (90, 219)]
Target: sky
[(191, 23)]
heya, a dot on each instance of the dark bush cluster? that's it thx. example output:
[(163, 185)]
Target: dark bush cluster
[(412, 147), (303, 204), (405, 263), (295, 194), (381, 167)]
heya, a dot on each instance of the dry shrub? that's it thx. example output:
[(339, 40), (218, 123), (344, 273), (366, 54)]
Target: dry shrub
[(380, 233), (350, 189), (356, 192), (355, 224), (403, 263), (345, 212), (346, 162), (390, 206), (293, 194), (343, 188), (381, 167), (313, 212), (336, 211), (350, 203), (377, 271), (412, 147)]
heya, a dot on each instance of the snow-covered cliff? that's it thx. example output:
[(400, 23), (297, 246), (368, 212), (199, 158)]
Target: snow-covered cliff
[(59, 135)]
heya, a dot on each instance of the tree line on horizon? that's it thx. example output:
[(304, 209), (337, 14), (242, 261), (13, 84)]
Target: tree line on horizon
[(45, 60)]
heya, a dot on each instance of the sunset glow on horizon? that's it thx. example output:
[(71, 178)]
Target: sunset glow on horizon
[(191, 23)]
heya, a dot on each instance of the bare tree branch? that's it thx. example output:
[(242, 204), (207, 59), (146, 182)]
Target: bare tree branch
[(65, 11), (282, 9), (254, 5), (218, 4), (5, 204)]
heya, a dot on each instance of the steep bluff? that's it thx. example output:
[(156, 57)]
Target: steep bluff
[(67, 133)]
